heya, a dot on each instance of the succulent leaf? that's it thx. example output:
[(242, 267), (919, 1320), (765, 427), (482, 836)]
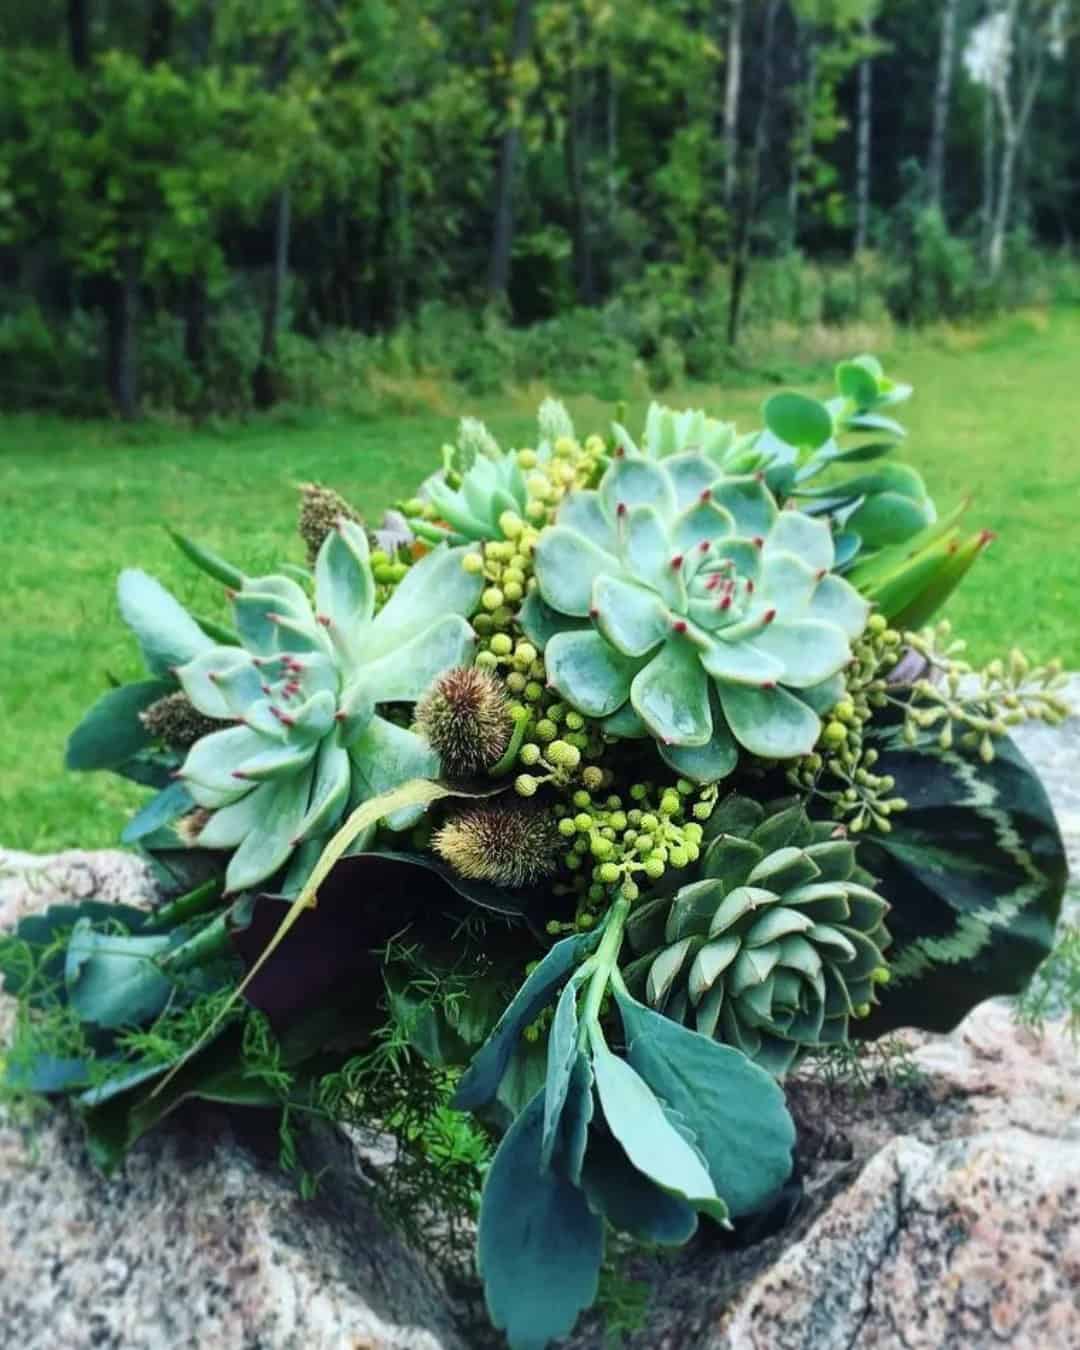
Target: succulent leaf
[(705, 614), (772, 951), (304, 690)]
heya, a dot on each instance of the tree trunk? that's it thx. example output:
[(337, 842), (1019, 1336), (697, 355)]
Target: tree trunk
[(575, 182), (611, 140), (196, 314), (79, 32), (502, 239), (748, 198), (121, 315), (1014, 123), (989, 153), (935, 163), (732, 89), (862, 148), (803, 142), (159, 32), (264, 383)]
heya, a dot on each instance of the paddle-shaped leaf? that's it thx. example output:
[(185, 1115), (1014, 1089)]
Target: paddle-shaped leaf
[(540, 1246)]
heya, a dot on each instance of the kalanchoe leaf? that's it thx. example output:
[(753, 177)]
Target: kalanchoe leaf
[(539, 1245), (705, 616), (111, 731), (115, 981), (481, 1082), (631, 1201), (734, 1109), (650, 1141)]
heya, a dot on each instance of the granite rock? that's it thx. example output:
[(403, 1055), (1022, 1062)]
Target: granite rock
[(196, 1243)]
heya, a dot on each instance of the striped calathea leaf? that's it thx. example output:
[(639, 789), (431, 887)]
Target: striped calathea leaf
[(975, 870)]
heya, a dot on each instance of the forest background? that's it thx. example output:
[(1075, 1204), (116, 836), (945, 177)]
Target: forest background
[(210, 206)]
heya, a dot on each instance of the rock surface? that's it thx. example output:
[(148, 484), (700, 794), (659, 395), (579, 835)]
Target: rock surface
[(942, 1213), (196, 1245)]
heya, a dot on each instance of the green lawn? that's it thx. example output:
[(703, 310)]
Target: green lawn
[(996, 417)]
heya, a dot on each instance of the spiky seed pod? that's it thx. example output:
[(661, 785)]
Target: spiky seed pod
[(510, 844), (774, 949), (175, 721), (466, 720), (320, 510)]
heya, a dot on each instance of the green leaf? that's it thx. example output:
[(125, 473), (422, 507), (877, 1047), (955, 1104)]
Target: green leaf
[(208, 561), (169, 804), (671, 695), (630, 1201), (857, 383), (435, 586), (344, 586), (115, 981), (650, 1141), (539, 1246), (167, 634), (567, 565), (975, 870), (771, 723), (481, 1081), (562, 1055), (798, 420), (589, 672), (735, 1109), (110, 732)]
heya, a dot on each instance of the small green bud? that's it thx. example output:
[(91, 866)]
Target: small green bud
[(525, 785)]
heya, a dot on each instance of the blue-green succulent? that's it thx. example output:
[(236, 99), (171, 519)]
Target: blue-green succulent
[(677, 603), (304, 689), (491, 485)]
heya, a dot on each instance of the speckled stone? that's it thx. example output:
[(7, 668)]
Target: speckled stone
[(195, 1244)]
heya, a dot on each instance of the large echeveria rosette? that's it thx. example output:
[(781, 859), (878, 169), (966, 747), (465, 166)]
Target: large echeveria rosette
[(304, 689), (677, 603)]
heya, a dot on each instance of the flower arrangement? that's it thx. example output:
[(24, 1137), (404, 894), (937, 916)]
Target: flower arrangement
[(590, 794)]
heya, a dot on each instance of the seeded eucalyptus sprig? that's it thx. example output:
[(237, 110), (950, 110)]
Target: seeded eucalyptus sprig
[(973, 707)]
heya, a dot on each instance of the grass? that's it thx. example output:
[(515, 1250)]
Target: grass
[(996, 417)]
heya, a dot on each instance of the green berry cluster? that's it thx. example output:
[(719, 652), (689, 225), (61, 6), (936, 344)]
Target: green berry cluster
[(622, 845), (840, 769), (982, 704)]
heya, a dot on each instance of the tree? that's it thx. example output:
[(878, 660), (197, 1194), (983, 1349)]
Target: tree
[(502, 235), (935, 160)]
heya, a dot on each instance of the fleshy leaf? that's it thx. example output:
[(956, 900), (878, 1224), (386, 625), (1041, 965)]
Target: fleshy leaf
[(481, 1080), (770, 722), (735, 1109), (110, 732), (167, 634), (539, 1245), (589, 672)]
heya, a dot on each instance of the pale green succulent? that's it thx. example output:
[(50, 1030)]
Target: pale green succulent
[(678, 603), (773, 950), (303, 689), (492, 485), (670, 431)]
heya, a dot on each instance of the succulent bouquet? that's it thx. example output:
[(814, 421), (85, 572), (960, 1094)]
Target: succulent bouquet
[(599, 787)]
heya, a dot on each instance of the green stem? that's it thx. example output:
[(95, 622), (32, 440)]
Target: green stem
[(207, 944), (188, 906), (606, 962)]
